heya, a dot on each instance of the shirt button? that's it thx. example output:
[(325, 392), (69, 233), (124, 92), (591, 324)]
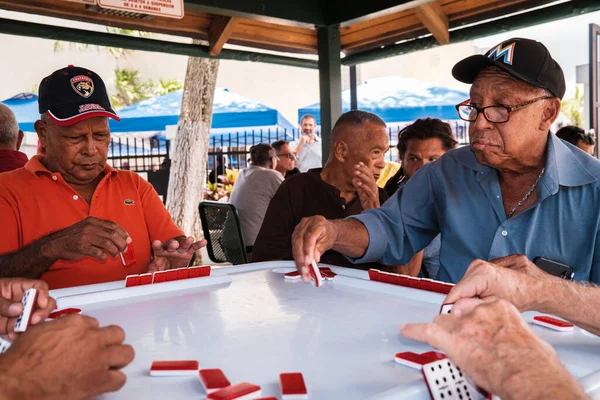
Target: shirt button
[(504, 233), (75, 197), (54, 177)]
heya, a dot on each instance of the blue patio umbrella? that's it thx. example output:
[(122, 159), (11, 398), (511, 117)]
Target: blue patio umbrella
[(397, 99)]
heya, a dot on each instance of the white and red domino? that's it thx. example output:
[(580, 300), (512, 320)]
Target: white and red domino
[(29, 302), (128, 256), (293, 386), (315, 273), (132, 280), (445, 381), (553, 323), (446, 308), (411, 360), (416, 361), (65, 311), (292, 276), (174, 368), (240, 391), (327, 274), (213, 380), (4, 345)]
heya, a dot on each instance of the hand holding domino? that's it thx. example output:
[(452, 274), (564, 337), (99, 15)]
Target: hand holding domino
[(69, 358), (12, 291), (472, 342), (315, 274)]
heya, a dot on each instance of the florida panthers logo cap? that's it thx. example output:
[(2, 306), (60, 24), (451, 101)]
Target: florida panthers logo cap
[(73, 94)]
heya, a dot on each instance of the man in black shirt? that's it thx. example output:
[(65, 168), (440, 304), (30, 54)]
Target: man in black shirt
[(345, 186)]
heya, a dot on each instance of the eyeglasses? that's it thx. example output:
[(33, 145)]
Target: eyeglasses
[(495, 114), (291, 156)]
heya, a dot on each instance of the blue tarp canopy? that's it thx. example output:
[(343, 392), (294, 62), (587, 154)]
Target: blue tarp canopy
[(397, 99), (25, 107), (231, 113)]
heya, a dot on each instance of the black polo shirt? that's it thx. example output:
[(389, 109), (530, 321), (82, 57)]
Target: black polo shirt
[(304, 195)]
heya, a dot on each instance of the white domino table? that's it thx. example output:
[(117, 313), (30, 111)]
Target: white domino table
[(251, 323)]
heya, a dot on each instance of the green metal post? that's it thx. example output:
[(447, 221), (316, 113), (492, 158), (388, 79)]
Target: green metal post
[(330, 81)]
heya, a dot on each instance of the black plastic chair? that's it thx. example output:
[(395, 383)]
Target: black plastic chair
[(221, 226)]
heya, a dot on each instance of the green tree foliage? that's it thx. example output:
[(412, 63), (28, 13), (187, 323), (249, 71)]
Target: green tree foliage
[(130, 88), (572, 108)]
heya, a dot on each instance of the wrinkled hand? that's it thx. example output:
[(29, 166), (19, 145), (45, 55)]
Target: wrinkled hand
[(519, 262), (521, 286), (312, 237), (91, 237), (366, 186), (175, 253), (490, 342), (69, 358), (11, 292)]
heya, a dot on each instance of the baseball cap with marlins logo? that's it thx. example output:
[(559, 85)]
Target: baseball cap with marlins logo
[(525, 59), (73, 94)]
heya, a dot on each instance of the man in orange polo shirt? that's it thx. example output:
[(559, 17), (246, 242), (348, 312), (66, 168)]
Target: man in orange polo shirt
[(67, 216)]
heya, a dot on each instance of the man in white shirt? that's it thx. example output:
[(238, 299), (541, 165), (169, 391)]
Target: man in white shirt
[(308, 149), (254, 188)]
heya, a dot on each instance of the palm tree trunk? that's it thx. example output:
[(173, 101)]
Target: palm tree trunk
[(188, 167)]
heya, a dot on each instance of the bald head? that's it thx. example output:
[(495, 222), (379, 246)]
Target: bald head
[(9, 129), (350, 126)]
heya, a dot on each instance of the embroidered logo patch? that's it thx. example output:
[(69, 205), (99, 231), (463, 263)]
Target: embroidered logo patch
[(82, 85), (129, 202), (503, 53)]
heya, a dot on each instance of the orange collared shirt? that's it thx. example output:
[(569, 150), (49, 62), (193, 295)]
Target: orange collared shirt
[(35, 202)]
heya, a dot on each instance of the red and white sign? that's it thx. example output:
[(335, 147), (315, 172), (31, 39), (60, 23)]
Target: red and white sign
[(162, 8)]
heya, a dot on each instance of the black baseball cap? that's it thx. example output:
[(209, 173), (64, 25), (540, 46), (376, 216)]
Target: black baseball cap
[(525, 59), (73, 94)]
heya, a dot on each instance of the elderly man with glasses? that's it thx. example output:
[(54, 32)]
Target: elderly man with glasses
[(517, 189)]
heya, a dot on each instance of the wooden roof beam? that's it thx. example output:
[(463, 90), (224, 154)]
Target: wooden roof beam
[(435, 20), (219, 32)]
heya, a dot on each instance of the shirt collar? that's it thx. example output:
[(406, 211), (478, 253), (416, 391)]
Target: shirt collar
[(563, 166), (35, 166), (571, 167)]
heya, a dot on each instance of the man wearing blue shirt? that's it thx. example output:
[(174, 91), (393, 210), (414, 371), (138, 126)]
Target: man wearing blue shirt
[(517, 189)]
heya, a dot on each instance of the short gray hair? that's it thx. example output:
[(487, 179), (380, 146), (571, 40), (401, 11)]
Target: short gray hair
[(9, 128)]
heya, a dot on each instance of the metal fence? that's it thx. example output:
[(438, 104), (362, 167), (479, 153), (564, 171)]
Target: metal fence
[(153, 154)]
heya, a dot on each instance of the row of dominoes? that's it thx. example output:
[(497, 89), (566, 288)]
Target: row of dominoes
[(410, 281), (167, 276), (218, 387)]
